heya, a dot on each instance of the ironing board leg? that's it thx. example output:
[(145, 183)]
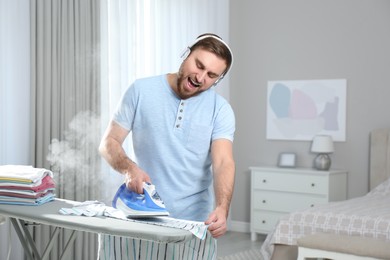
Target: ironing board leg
[(26, 240), (49, 246), (70, 240), (23, 241), (27, 235)]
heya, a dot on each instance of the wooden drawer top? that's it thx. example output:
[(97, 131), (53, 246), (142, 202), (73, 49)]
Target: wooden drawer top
[(304, 171)]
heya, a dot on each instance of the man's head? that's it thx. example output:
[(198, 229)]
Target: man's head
[(214, 44), (205, 63)]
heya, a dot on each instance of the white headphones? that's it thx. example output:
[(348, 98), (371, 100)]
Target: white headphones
[(187, 52)]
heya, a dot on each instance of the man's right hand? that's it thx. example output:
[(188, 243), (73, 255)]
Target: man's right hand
[(136, 178)]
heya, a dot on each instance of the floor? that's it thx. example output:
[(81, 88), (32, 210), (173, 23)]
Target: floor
[(233, 242)]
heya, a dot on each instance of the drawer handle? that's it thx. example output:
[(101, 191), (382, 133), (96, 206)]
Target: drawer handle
[(264, 201), (264, 181), (312, 205), (313, 184), (263, 221)]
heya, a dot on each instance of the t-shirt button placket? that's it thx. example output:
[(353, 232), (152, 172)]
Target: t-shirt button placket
[(180, 115)]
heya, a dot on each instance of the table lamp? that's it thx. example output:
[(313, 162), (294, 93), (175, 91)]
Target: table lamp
[(323, 145)]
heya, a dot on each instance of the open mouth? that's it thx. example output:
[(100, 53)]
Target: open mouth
[(194, 83)]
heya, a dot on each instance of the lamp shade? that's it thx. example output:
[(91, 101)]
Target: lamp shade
[(322, 144)]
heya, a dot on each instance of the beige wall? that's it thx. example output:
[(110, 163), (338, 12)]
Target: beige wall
[(308, 39)]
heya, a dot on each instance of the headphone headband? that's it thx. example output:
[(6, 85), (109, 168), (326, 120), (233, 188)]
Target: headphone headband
[(187, 51)]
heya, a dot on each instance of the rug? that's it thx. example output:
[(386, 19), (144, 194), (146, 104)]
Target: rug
[(251, 254)]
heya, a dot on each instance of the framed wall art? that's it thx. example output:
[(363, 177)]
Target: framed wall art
[(301, 109)]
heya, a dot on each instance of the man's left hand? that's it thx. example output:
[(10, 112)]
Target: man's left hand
[(217, 222)]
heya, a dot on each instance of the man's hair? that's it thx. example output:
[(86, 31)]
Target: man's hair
[(215, 44)]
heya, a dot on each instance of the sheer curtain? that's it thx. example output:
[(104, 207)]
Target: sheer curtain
[(146, 37), (65, 103)]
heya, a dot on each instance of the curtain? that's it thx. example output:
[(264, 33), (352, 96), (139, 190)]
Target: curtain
[(65, 106), (146, 37)]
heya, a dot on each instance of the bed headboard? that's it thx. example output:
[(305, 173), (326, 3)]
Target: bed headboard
[(379, 156)]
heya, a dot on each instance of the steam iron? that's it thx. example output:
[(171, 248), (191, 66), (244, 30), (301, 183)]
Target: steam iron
[(136, 205)]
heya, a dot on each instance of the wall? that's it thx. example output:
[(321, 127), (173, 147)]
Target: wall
[(14, 81), (14, 100), (301, 39)]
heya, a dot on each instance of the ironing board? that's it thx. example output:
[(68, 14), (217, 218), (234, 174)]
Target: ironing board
[(47, 214)]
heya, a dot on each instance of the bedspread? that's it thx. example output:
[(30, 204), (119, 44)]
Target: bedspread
[(367, 216)]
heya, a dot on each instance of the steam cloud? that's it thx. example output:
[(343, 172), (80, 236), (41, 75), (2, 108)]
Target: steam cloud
[(75, 159)]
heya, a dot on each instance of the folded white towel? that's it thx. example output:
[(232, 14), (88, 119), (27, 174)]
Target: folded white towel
[(23, 172)]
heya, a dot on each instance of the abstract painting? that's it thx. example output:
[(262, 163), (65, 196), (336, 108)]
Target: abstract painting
[(301, 109)]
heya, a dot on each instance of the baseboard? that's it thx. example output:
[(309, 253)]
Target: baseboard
[(238, 226)]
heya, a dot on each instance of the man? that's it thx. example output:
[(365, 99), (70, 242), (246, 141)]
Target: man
[(182, 134)]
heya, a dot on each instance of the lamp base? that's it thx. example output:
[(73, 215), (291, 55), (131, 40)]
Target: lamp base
[(322, 162)]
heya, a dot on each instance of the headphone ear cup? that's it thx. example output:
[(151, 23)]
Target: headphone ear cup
[(185, 53), (220, 78), (216, 82)]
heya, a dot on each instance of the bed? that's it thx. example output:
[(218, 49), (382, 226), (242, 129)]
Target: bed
[(357, 228)]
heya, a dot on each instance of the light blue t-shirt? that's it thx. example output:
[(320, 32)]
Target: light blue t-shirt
[(172, 139)]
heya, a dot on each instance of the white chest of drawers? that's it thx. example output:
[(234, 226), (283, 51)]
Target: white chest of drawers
[(278, 191)]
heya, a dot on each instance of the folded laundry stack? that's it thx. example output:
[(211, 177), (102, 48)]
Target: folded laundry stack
[(26, 185)]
